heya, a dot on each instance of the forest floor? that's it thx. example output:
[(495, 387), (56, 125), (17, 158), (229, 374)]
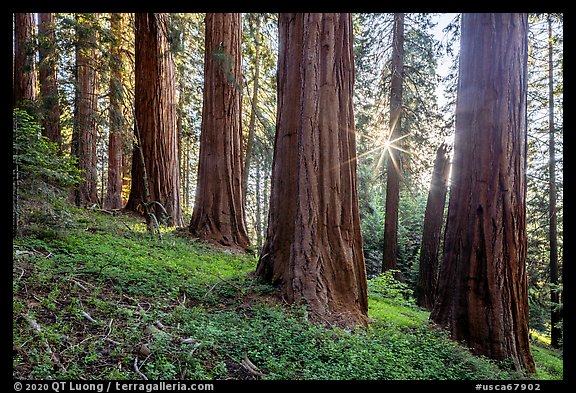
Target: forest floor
[(95, 297)]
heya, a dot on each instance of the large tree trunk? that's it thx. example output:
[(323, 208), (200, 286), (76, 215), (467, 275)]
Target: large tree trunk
[(86, 110), (48, 78), (113, 198), (24, 87), (482, 289), (218, 214), (313, 249), (155, 119), (393, 166), (556, 331), (433, 219)]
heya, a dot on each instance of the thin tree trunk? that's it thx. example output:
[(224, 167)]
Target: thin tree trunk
[(393, 168), (556, 331), (482, 293), (24, 87), (127, 157), (218, 215), (113, 198), (258, 206), (433, 219), (252, 124), (84, 136), (155, 121), (48, 78), (313, 249), (181, 146)]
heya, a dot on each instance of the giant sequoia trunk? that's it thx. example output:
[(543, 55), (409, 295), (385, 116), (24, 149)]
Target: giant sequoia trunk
[(48, 78), (155, 126), (24, 83), (86, 110), (482, 289), (113, 199), (433, 219), (218, 214), (313, 250), (393, 166)]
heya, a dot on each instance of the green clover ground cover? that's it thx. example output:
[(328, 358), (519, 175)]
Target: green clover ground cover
[(102, 299)]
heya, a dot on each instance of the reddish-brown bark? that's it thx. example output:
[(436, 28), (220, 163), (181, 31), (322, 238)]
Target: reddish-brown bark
[(113, 199), (393, 166), (48, 78), (155, 108), (218, 214), (313, 249), (86, 110), (482, 289), (433, 218), (24, 83)]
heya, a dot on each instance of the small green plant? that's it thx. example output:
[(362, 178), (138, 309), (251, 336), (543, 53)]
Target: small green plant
[(39, 174), (385, 286), (35, 155)]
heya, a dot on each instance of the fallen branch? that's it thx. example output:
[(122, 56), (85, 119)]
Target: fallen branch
[(209, 290), (21, 274), (88, 317), (248, 365), (80, 285), (138, 370), (36, 329)]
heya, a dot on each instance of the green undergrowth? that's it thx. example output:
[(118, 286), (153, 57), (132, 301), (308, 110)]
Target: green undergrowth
[(102, 299)]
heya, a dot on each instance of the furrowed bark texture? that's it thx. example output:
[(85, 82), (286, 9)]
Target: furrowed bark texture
[(482, 290), (433, 219), (393, 166), (84, 138), (113, 198), (218, 214), (24, 82), (48, 78), (313, 249), (155, 108)]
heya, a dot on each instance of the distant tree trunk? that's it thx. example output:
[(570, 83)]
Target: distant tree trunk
[(49, 78), (313, 250), (556, 316), (258, 225), (85, 130), (218, 214), (482, 290), (393, 168), (155, 119), (24, 87), (182, 148), (127, 156), (252, 125), (433, 219), (113, 199)]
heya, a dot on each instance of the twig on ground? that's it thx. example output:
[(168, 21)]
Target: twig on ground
[(138, 370), (88, 317), (80, 285), (36, 329), (248, 365), (227, 282)]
